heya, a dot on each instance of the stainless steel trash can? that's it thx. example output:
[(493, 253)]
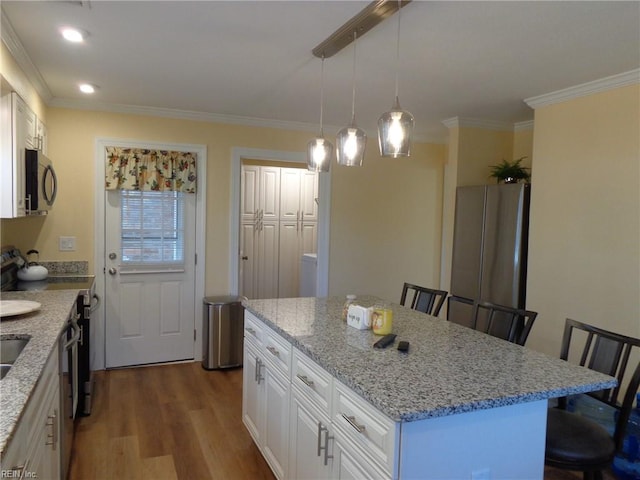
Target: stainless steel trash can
[(222, 332)]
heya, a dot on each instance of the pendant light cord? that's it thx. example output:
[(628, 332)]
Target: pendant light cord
[(398, 47), (353, 78), (321, 94)]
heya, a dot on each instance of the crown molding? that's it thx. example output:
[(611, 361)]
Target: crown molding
[(180, 114), (521, 126), (15, 47), (602, 85), (203, 116)]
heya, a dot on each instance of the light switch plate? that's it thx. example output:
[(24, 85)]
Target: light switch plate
[(67, 244)]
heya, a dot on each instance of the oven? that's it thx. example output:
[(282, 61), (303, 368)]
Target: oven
[(87, 303), (68, 362)]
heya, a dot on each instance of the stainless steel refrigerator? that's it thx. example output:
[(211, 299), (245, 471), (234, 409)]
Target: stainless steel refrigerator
[(490, 246)]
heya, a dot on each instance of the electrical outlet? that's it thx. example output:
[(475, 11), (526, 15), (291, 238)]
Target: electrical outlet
[(67, 244), (482, 474)]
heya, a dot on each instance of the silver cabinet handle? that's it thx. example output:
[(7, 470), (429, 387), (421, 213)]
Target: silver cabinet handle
[(251, 331), (273, 351), (304, 379), (322, 429), (351, 420), (259, 366), (52, 437)]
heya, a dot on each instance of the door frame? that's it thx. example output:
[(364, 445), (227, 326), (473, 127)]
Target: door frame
[(324, 207), (99, 338)]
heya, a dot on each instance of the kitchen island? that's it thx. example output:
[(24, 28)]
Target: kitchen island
[(459, 404)]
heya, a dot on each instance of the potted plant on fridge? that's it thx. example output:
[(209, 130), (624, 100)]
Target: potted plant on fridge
[(510, 172)]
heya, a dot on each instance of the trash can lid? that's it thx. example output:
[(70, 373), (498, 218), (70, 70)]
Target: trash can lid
[(224, 299)]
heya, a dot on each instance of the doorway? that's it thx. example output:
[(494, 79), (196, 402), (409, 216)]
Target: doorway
[(176, 289), (321, 237)]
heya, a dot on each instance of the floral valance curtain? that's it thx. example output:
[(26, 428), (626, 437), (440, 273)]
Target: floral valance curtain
[(150, 170)]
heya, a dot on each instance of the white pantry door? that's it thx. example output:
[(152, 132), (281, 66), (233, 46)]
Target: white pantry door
[(150, 280)]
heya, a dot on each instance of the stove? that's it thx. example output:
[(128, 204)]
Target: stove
[(86, 303)]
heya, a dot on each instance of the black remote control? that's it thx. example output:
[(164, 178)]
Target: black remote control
[(403, 346), (385, 341)]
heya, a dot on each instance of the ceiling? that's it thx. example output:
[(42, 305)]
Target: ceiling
[(251, 61)]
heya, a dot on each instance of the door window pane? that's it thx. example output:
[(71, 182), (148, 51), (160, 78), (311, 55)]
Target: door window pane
[(152, 228)]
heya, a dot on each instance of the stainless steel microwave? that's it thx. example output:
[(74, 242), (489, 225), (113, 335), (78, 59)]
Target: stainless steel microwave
[(41, 183)]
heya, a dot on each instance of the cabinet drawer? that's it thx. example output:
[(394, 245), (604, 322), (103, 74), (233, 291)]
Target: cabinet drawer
[(253, 328), (312, 380), (277, 351), (372, 432)]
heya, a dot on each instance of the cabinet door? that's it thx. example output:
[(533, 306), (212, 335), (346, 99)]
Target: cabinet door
[(252, 392), (308, 238), (348, 464), (289, 259), (276, 421), (249, 199), (290, 194), (305, 436), (30, 126), (248, 263), (308, 195), (268, 259), (270, 193)]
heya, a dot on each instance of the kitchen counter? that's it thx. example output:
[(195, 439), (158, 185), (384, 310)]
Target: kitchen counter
[(449, 369), (44, 327)]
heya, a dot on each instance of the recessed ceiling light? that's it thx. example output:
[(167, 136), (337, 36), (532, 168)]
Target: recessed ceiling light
[(87, 88), (73, 35)]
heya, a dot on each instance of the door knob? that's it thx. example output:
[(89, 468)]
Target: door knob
[(112, 256), (112, 271)]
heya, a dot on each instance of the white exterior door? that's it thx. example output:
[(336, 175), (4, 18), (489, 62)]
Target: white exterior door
[(150, 281)]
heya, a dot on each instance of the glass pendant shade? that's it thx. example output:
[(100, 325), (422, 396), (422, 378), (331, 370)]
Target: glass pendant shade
[(394, 132), (350, 144), (320, 150), (319, 154)]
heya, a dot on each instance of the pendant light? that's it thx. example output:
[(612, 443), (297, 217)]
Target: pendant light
[(396, 126), (351, 141), (320, 150)]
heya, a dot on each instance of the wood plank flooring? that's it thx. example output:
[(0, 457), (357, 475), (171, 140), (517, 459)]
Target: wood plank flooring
[(174, 422)]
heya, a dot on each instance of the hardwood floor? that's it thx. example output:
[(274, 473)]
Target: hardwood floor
[(174, 422)]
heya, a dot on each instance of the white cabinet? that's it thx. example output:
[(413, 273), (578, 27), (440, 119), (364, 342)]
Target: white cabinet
[(296, 238), (309, 457), (298, 226), (259, 259), (34, 451), (300, 417), (259, 231), (18, 132), (42, 137), (278, 224), (266, 394), (299, 190), (260, 193), (21, 130)]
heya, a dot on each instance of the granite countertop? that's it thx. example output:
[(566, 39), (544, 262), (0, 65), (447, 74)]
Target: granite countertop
[(44, 327), (449, 369)]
